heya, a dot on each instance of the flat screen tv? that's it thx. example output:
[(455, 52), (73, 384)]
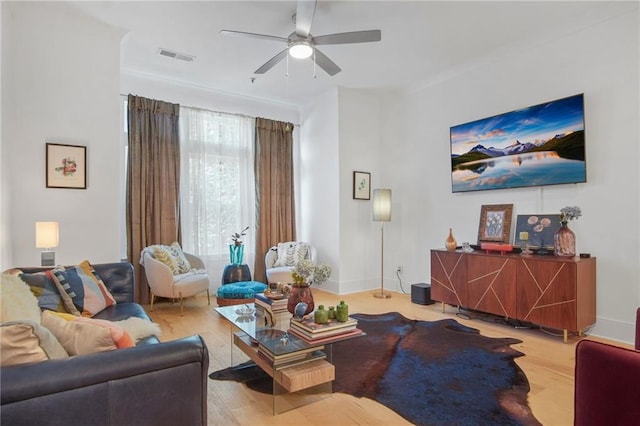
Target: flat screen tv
[(539, 145)]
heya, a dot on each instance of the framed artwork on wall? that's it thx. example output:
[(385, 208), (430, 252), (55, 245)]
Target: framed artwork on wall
[(361, 186), (66, 166), (495, 223), (536, 230)]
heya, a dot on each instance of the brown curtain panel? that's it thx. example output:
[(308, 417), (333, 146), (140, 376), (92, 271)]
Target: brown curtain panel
[(274, 188), (153, 181)]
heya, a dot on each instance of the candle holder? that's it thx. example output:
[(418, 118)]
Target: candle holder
[(524, 237)]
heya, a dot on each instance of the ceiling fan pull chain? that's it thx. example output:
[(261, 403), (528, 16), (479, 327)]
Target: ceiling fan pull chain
[(314, 64)]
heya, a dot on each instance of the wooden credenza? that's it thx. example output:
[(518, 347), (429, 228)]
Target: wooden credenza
[(551, 291)]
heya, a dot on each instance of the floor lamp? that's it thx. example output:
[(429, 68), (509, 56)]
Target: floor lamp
[(382, 214)]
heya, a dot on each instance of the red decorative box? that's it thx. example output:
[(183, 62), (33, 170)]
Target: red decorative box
[(502, 248)]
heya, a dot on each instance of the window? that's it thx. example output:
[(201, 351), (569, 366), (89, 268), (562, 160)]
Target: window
[(217, 186), (216, 183)]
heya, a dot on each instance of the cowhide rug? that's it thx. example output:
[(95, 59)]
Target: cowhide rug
[(431, 373)]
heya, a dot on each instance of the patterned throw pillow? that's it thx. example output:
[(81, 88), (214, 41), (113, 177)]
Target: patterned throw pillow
[(84, 288), (172, 256), (80, 335), (45, 291), (291, 253)]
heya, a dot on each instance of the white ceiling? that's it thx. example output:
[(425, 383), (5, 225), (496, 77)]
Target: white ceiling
[(422, 41)]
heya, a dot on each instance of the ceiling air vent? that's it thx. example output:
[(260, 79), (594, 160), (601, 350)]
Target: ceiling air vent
[(176, 55)]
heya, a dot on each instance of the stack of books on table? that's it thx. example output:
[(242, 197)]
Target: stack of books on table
[(311, 332), (291, 351), (272, 305)]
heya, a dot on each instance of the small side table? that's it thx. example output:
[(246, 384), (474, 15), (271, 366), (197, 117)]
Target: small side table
[(235, 273)]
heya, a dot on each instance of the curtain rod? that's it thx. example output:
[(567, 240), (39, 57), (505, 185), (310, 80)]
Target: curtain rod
[(219, 112)]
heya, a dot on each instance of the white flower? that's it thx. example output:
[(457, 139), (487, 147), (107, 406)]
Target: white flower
[(570, 213), (306, 271)]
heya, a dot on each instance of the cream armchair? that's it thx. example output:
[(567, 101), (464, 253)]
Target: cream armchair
[(164, 283), (281, 258)]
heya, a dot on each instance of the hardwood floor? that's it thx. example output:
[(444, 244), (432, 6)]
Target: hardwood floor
[(548, 364)]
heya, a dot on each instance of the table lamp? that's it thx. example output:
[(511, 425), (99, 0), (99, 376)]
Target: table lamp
[(47, 238)]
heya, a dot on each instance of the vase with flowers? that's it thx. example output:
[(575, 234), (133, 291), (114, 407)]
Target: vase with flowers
[(236, 248), (304, 274), (564, 240)]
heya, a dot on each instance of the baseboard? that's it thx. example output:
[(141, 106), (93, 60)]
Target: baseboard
[(620, 331)]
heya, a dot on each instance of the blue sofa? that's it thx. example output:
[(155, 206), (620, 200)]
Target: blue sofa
[(154, 383)]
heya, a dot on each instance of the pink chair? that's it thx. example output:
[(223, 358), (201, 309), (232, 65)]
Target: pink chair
[(607, 383)]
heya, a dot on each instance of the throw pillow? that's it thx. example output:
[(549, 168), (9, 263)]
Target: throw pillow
[(139, 328), (81, 335), (64, 294), (17, 302), (27, 341), (291, 253), (84, 287), (172, 256), (45, 291)]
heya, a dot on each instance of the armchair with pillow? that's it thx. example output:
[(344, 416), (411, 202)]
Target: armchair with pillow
[(173, 273), (91, 366), (281, 259)]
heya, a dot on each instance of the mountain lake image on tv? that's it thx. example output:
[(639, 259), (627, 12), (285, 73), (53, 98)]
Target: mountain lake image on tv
[(534, 146)]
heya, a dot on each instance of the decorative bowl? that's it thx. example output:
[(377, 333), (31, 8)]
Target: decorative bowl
[(273, 295)]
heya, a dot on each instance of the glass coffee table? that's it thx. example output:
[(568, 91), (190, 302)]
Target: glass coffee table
[(301, 372)]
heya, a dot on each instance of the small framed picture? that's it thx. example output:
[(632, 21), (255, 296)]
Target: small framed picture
[(361, 186), (495, 223), (66, 166), (536, 230)]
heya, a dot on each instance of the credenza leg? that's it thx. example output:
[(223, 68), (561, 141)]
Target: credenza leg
[(565, 335)]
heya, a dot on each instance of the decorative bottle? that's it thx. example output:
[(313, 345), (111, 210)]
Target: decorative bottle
[(342, 312), (332, 313), (321, 315), (450, 243), (564, 241)]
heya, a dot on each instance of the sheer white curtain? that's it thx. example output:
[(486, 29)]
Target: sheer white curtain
[(217, 186)]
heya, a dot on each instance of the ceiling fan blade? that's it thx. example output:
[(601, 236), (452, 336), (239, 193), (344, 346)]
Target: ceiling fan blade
[(272, 62), (346, 38), (253, 35), (304, 17), (326, 64)]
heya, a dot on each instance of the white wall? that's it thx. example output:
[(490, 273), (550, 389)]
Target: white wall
[(61, 85), (319, 186), (602, 63), (5, 230), (360, 149)]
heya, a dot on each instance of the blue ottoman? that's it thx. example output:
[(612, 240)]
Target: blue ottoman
[(239, 292)]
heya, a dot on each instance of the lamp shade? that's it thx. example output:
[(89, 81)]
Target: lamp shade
[(382, 205), (46, 234)]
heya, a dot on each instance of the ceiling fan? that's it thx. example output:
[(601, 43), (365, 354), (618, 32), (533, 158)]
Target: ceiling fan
[(302, 44)]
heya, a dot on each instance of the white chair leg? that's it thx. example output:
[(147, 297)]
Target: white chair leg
[(208, 297), (153, 296), (181, 305)]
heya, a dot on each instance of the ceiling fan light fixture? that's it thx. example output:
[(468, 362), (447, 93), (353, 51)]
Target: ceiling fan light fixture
[(300, 50)]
